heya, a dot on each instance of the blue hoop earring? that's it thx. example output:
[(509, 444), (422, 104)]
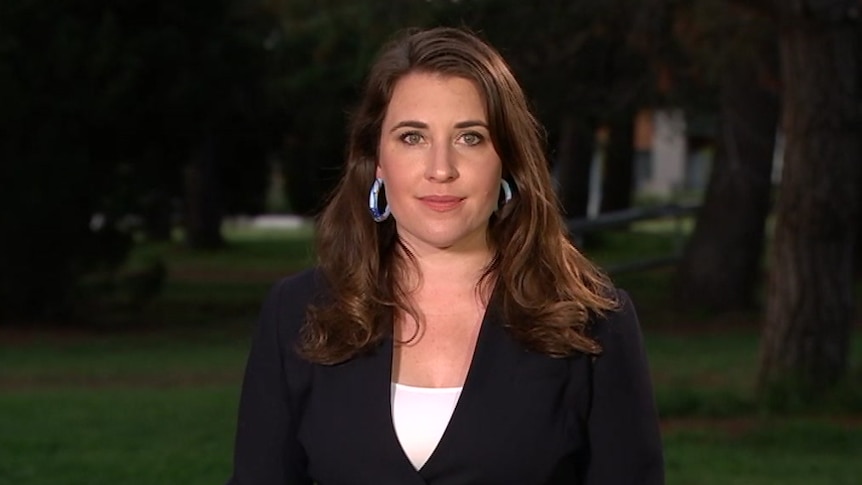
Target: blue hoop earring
[(374, 202), (507, 191)]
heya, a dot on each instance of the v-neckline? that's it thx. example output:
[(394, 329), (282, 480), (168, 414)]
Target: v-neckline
[(465, 392), (489, 356)]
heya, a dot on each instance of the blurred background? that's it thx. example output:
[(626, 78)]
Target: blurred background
[(161, 163)]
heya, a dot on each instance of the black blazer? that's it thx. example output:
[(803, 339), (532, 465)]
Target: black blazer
[(523, 418)]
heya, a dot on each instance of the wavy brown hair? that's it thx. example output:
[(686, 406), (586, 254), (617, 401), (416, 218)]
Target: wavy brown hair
[(548, 290)]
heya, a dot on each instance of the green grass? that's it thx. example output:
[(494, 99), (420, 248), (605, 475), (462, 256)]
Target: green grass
[(247, 249), (126, 409), (215, 288), (151, 398), (119, 409), (706, 375), (712, 374), (147, 360), (764, 452), (117, 436), (642, 240)]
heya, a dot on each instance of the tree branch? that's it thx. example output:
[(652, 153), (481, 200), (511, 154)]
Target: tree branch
[(765, 8)]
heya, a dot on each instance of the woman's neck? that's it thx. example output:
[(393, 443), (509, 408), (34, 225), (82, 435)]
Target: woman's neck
[(445, 277), (435, 269)]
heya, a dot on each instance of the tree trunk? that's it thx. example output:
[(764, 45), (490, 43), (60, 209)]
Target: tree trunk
[(857, 257), (618, 183), (156, 212), (574, 155), (719, 269), (203, 198), (301, 181), (810, 299)]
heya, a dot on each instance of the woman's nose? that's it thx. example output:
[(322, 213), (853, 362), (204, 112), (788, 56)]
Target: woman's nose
[(441, 164)]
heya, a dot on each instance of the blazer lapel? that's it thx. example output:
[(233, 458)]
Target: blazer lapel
[(381, 420), (481, 406), (348, 430)]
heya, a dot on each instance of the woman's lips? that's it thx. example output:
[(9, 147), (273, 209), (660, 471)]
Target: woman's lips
[(441, 203)]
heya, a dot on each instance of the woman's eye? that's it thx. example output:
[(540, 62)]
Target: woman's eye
[(471, 139), (411, 138)]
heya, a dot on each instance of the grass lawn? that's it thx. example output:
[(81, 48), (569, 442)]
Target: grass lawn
[(117, 435), (127, 409), (753, 451), (154, 401)]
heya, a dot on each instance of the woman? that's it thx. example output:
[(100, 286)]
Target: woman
[(454, 335)]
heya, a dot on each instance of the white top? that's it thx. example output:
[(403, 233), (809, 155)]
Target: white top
[(420, 416)]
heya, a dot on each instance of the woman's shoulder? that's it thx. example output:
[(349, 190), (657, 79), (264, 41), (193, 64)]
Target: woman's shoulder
[(618, 323), (304, 284), (288, 300)]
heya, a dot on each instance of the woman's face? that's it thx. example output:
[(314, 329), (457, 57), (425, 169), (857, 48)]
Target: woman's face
[(439, 166)]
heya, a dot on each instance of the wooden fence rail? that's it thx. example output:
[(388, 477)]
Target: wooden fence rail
[(621, 219)]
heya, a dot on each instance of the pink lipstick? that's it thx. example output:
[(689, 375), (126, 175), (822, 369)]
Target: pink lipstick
[(441, 203)]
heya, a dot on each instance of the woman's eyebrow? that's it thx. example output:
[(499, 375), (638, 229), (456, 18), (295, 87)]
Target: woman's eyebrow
[(409, 124), (471, 123), (423, 125)]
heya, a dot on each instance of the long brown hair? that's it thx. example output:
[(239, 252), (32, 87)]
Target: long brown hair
[(547, 288)]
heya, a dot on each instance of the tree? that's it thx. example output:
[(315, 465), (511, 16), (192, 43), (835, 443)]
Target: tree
[(573, 154), (57, 91), (720, 265), (103, 105), (322, 55), (582, 69), (810, 297), (618, 182), (215, 98), (576, 69)]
